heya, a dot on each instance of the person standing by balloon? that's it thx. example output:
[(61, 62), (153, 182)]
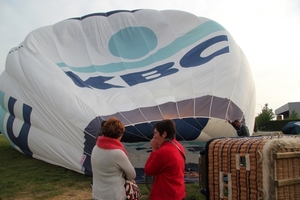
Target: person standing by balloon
[(110, 163), (166, 163), (241, 128)]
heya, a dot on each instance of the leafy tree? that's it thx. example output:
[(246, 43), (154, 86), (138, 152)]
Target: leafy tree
[(294, 115), (264, 117)]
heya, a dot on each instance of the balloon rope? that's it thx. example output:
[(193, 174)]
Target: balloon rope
[(89, 134), (144, 136)]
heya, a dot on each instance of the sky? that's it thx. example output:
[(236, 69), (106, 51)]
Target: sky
[(268, 32)]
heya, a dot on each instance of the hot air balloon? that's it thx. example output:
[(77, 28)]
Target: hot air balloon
[(140, 66)]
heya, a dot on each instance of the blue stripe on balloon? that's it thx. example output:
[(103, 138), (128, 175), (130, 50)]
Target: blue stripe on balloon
[(105, 14), (22, 139), (191, 127)]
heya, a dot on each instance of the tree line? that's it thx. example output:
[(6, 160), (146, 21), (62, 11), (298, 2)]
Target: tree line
[(267, 115)]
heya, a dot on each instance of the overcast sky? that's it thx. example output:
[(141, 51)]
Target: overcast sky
[(268, 31)]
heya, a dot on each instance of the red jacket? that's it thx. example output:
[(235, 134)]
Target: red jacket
[(167, 165)]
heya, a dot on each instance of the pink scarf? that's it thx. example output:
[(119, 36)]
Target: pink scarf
[(110, 143)]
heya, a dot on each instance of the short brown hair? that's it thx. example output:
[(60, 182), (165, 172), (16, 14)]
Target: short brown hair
[(167, 125), (113, 128), (236, 121)]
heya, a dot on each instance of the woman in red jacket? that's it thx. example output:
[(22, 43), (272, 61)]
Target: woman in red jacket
[(166, 163)]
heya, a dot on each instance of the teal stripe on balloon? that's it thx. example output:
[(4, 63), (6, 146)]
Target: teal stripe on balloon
[(179, 43), (2, 111), (2, 98)]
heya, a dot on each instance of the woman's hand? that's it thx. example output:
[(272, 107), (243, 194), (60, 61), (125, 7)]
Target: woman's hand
[(154, 144)]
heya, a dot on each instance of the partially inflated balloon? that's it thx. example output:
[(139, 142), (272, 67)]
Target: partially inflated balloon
[(141, 66)]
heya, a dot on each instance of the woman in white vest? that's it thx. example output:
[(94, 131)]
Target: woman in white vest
[(110, 163)]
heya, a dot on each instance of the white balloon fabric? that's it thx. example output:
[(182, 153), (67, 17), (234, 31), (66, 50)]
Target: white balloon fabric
[(141, 66)]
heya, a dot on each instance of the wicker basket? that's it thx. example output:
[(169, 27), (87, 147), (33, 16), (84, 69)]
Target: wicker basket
[(264, 167)]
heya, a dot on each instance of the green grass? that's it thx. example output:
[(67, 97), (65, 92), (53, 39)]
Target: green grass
[(22, 177)]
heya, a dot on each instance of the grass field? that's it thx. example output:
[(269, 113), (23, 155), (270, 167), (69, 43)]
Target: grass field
[(25, 178)]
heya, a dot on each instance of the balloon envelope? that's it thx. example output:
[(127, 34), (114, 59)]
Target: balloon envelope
[(141, 66), (291, 128)]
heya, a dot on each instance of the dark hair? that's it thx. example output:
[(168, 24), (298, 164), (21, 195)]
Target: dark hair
[(102, 123), (113, 128), (167, 125)]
